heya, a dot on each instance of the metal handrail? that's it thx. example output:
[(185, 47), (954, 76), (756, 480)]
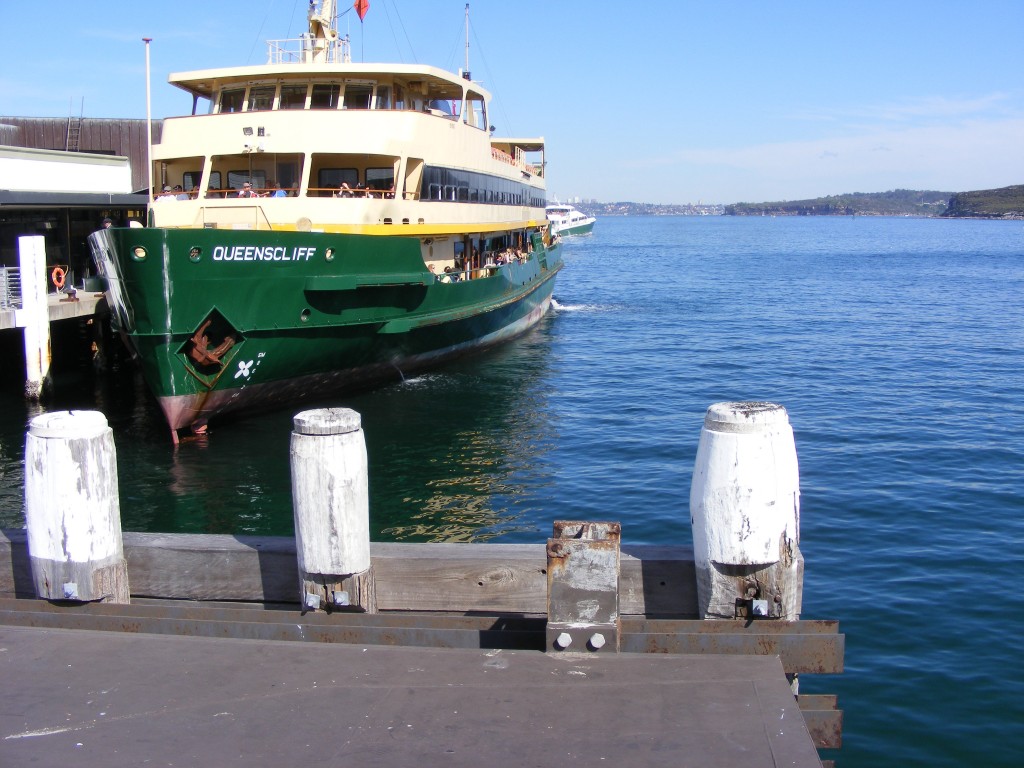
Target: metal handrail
[(302, 49)]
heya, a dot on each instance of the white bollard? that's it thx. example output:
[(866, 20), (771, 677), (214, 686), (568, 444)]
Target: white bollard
[(745, 514), (34, 315), (72, 510), (330, 499)]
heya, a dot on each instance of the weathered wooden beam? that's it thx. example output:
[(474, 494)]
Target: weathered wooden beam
[(492, 578), (331, 503), (72, 508)]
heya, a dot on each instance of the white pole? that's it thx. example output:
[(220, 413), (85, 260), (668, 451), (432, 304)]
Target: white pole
[(331, 503), (745, 513), (72, 510), (149, 126), (34, 315)]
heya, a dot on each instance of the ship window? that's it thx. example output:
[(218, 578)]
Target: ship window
[(231, 100), (441, 107), (476, 115), (190, 180), (333, 178), (358, 96), (257, 178), (383, 97), (261, 98), (293, 96), (380, 178), (324, 96)]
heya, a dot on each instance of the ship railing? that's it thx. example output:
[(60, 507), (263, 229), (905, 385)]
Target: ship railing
[(503, 156), (373, 194), (10, 288), (304, 49), (516, 162)]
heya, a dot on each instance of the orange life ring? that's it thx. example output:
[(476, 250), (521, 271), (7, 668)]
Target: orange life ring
[(58, 277)]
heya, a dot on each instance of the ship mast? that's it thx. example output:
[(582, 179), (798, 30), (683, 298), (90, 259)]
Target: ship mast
[(321, 32), (465, 72)]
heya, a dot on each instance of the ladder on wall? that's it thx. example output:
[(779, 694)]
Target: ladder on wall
[(74, 133)]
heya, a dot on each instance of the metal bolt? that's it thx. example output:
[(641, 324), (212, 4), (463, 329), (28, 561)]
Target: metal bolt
[(597, 641), (563, 641)]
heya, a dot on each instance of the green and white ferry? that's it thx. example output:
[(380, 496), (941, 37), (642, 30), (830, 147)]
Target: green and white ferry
[(323, 225), (567, 221)]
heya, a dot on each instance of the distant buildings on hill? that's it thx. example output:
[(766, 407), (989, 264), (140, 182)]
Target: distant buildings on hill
[(594, 208)]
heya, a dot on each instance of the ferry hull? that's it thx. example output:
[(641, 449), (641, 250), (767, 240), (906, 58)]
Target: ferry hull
[(226, 322), (577, 229)]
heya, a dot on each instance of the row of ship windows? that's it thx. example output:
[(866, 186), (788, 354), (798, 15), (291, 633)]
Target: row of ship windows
[(472, 187), (439, 184), (321, 96), (258, 98)]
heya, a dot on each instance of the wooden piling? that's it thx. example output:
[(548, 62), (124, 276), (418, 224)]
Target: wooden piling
[(330, 499), (34, 315), (72, 511), (745, 513)]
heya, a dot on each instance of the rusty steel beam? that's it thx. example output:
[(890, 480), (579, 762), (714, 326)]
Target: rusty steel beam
[(813, 653), (731, 626), (185, 610), (824, 721), (411, 636)]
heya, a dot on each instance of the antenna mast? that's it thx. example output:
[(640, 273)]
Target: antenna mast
[(465, 72)]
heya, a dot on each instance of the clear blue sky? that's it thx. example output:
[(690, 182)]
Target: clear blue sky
[(669, 101)]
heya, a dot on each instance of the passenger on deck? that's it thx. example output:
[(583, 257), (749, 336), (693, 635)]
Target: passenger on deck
[(278, 192), (344, 190), (247, 191)]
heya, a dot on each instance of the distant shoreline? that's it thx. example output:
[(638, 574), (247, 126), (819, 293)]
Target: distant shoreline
[(1006, 203)]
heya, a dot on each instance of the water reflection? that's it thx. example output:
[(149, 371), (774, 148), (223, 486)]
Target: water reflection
[(454, 455), (457, 455)]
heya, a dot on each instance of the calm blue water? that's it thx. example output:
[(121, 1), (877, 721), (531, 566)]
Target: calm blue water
[(897, 346)]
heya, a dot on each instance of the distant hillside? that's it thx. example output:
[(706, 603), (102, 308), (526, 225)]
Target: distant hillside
[(594, 208), (898, 202), (1003, 203)]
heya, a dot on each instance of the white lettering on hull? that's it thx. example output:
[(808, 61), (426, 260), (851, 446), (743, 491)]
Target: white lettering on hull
[(262, 253)]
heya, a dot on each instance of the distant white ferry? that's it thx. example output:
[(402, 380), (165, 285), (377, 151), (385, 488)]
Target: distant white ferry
[(566, 220)]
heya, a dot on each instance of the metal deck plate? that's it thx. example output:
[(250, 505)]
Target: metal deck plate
[(115, 699)]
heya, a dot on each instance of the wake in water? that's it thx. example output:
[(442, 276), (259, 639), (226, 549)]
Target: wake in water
[(555, 305), (423, 379)]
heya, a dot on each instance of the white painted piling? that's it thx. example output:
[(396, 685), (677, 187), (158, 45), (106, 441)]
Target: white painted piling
[(330, 499), (72, 511), (34, 315), (745, 513)]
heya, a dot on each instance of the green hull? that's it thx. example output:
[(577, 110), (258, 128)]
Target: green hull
[(580, 229), (227, 321)]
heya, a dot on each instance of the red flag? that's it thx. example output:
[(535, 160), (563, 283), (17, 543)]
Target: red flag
[(361, 6)]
